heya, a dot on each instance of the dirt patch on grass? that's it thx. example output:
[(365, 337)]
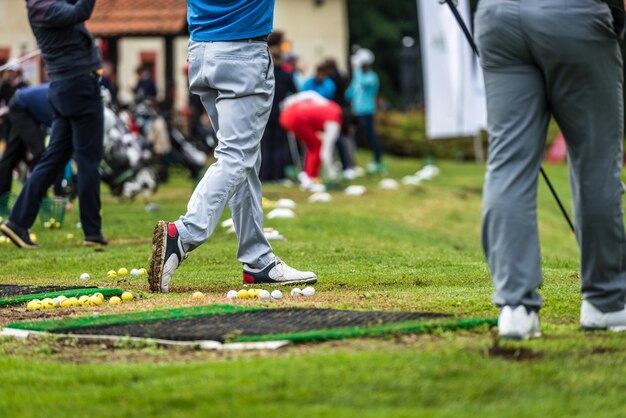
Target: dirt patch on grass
[(513, 352)]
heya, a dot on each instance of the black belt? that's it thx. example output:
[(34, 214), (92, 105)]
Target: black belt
[(257, 39)]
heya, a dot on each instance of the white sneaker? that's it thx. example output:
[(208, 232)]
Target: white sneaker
[(277, 273), (518, 323), (591, 318)]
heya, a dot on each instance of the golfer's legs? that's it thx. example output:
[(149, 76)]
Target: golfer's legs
[(237, 94), (517, 123), (585, 92)]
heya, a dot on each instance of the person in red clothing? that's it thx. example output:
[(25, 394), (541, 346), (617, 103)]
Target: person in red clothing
[(316, 122)]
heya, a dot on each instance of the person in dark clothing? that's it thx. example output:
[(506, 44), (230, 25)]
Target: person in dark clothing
[(275, 156), (73, 64), (146, 87), (11, 80), (29, 114)]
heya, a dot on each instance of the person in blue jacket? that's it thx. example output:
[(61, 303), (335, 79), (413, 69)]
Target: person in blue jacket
[(362, 93), (29, 115), (321, 83), (231, 69), (73, 64)]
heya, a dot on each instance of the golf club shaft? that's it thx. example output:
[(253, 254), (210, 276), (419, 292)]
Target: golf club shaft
[(469, 38), (20, 60)]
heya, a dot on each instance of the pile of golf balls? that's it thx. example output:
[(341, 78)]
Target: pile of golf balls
[(123, 272), (264, 294), (95, 299)]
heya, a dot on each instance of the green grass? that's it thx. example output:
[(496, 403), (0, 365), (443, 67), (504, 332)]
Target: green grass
[(414, 249)]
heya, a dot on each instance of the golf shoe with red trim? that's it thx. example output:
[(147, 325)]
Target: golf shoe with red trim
[(277, 273), (167, 254)]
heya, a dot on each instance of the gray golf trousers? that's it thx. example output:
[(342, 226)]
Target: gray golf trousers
[(559, 58), (235, 81)]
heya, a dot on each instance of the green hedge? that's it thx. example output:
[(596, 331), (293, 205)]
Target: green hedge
[(404, 134)]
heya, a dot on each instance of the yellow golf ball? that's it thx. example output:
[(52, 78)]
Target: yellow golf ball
[(127, 296), (74, 301), (33, 305), (198, 295), (243, 294), (95, 301), (111, 274), (99, 295), (33, 237), (253, 293), (66, 303), (83, 300), (115, 301), (143, 272), (48, 303), (122, 271)]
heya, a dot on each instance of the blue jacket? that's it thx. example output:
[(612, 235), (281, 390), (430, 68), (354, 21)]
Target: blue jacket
[(362, 92), (325, 89), (229, 20), (67, 47), (35, 101)]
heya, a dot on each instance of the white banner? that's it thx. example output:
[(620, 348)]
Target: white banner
[(453, 81)]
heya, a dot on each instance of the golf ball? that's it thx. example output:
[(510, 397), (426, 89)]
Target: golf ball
[(253, 293), (277, 294), (99, 295), (33, 237), (74, 301), (308, 291), (33, 305), (243, 294), (232, 294), (143, 272), (67, 303), (115, 301), (264, 294), (48, 303), (84, 276), (296, 292), (83, 300), (95, 301), (134, 272), (122, 271), (111, 274), (198, 295), (127, 296)]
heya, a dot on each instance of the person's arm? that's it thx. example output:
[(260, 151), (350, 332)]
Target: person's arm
[(60, 13), (329, 138)]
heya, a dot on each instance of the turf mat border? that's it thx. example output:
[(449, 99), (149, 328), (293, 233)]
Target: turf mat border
[(413, 326), (107, 292), (156, 315)]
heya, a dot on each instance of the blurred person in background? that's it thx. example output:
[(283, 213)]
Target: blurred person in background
[(275, 155), (321, 83), (74, 65), (363, 93)]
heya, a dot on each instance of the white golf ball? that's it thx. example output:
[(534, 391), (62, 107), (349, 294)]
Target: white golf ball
[(264, 294), (296, 292), (134, 272), (277, 294), (84, 276), (308, 291), (232, 294)]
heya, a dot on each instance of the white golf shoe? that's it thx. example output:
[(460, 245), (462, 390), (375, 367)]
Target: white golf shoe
[(518, 324), (591, 318)]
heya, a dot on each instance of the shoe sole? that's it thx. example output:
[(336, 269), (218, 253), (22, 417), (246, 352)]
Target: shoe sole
[(312, 280), (159, 241), (93, 244), (15, 239)]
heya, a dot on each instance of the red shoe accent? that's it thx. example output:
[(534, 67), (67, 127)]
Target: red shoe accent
[(171, 230), (248, 279)]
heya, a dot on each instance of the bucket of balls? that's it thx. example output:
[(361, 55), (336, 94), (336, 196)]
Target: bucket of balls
[(52, 212)]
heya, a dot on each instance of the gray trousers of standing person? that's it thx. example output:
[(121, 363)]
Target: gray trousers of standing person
[(559, 58), (235, 81)]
